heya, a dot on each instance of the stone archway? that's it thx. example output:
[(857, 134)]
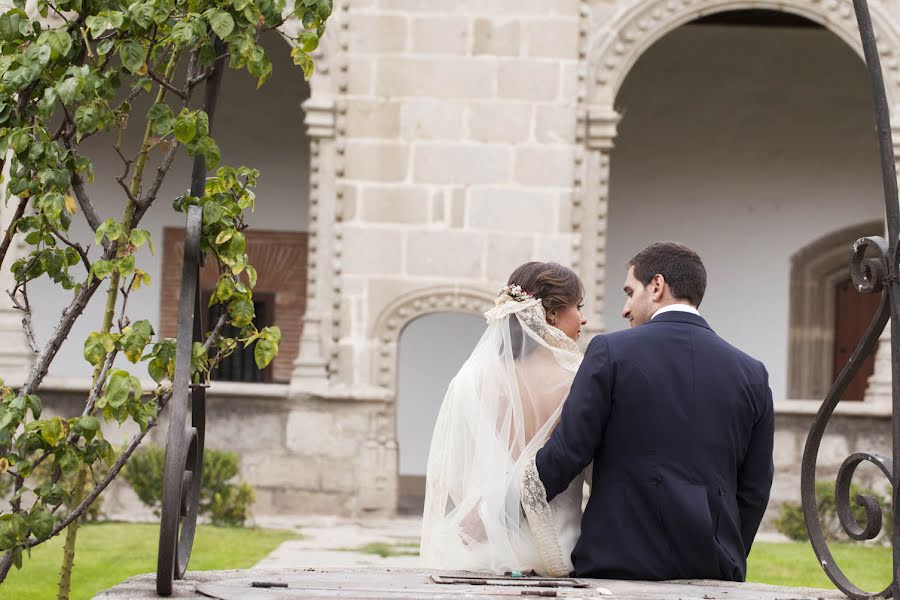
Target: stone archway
[(621, 37), (379, 461)]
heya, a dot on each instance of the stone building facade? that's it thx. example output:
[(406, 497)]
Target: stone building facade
[(450, 142)]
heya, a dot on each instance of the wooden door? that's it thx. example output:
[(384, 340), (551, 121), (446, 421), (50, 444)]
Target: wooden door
[(853, 312)]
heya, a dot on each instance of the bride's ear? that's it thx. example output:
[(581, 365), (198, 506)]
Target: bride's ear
[(551, 317)]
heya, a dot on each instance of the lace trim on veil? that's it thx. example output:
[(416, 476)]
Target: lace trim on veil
[(540, 519), (531, 314)]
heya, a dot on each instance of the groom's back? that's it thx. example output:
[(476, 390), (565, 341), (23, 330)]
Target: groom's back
[(682, 475)]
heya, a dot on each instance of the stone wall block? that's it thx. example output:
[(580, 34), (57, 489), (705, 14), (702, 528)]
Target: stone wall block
[(555, 248), (515, 210), (505, 253), (373, 119), (402, 204), (500, 121), (428, 119), (377, 161), (264, 470), (786, 452), (436, 77), (553, 38), (497, 38), (545, 166), (534, 80), (371, 251), (360, 75), (555, 124), (450, 253), (376, 33), (440, 35), (461, 163)]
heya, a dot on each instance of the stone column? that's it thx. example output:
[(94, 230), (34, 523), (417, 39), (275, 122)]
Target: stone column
[(592, 206), (16, 357), (878, 390), (311, 366)]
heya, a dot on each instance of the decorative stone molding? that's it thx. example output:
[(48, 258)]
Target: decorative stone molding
[(638, 25), (590, 216), (311, 371), (815, 270), (397, 315)]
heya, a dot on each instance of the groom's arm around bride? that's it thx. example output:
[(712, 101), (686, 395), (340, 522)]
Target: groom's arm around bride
[(679, 426)]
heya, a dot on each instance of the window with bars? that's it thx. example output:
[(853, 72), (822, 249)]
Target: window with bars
[(240, 365)]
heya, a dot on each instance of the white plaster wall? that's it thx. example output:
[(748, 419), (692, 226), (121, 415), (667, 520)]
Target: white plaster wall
[(431, 351), (745, 143), (258, 128)]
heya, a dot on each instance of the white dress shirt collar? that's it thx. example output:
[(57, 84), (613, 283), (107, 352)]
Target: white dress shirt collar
[(676, 307)]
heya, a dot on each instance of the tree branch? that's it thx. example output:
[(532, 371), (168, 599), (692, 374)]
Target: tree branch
[(155, 77), (11, 230), (77, 247)]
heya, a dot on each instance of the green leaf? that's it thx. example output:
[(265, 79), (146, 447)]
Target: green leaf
[(102, 268), (309, 41), (183, 33), (222, 23), (52, 431), (87, 118), (142, 14), (161, 118), (158, 369), (69, 462), (264, 352), (68, 89), (97, 346), (133, 55), (135, 338), (251, 276), (110, 228), (96, 24), (223, 236), (185, 126), (89, 426), (241, 312), (199, 357), (34, 404), (119, 388), (302, 60), (41, 522), (139, 237)]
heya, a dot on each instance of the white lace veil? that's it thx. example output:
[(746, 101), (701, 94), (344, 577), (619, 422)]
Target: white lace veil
[(498, 410)]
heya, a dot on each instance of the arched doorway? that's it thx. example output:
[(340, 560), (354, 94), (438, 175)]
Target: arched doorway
[(745, 135), (431, 350)]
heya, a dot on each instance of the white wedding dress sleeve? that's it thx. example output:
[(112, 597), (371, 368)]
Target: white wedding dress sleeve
[(498, 411)]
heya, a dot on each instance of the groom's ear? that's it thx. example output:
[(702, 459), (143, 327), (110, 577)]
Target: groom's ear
[(657, 287)]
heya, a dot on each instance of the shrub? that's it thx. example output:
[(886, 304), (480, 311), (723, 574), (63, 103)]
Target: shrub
[(223, 501), (791, 523)]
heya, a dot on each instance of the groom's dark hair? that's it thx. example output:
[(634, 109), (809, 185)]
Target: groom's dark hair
[(680, 266)]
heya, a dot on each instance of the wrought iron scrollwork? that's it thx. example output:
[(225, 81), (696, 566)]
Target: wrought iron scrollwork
[(873, 269), (185, 442)]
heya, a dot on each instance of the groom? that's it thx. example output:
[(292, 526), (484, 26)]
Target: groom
[(679, 426)]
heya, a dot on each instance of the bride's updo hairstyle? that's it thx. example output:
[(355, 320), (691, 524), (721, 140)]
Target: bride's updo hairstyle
[(556, 286)]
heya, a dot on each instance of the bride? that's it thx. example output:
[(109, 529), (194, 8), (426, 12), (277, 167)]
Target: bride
[(498, 411)]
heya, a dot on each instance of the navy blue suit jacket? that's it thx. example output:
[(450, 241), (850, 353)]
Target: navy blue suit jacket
[(679, 425)]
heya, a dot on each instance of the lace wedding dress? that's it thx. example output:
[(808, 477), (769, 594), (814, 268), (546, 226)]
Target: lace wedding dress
[(498, 411)]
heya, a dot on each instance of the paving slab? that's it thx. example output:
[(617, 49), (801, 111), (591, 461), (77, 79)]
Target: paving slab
[(419, 584)]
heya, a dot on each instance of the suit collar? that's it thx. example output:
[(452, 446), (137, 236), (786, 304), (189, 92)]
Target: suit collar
[(677, 316)]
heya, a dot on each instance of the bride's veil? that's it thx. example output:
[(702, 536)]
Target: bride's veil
[(498, 410)]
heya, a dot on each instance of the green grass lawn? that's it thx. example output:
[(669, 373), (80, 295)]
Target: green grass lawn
[(795, 564), (109, 553)]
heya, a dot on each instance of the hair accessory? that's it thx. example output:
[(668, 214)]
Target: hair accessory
[(513, 292)]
